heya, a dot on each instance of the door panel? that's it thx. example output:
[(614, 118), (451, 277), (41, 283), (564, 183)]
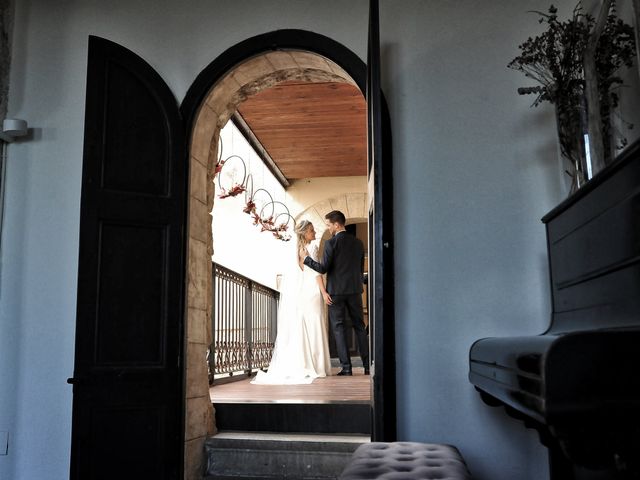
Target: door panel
[(127, 385), (127, 104), (131, 260)]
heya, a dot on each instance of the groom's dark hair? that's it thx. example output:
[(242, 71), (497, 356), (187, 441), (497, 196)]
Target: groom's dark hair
[(336, 216)]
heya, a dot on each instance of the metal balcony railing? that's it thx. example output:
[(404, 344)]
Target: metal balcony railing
[(244, 320)]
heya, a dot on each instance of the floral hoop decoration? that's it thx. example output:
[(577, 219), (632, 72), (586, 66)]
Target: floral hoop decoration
[(234, 188), (277, 224), (282, 229), (271, 215), (250, 206)]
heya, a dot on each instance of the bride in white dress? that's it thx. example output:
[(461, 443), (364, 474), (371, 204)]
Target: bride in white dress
[(301, 351)]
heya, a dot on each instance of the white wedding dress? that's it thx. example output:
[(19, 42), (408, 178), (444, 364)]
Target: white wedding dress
[(301, 351)]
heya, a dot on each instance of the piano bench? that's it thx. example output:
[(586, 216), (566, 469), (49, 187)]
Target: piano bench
[(405, 461)]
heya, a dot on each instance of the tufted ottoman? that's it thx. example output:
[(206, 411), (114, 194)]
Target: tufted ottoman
[(405, 461)]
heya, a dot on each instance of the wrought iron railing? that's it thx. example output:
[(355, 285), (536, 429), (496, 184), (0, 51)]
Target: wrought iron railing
[(244, 320)]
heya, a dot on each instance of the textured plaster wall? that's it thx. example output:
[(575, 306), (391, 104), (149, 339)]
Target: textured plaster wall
[(474, 170)]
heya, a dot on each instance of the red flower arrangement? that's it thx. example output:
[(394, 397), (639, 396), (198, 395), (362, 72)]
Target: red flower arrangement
[(237, 189)]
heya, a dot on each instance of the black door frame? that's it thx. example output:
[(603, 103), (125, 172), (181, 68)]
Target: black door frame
[(381, 282), (291, 39)]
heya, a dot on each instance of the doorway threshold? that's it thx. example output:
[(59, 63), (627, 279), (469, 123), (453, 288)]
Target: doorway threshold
[(330, 405), (331, 390)]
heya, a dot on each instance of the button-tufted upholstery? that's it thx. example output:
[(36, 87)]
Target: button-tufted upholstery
[(405, 461)]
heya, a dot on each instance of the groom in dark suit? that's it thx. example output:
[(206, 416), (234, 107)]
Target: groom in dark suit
[(343, 262)]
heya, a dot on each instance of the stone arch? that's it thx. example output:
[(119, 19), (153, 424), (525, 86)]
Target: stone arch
[(240, 82), (353, 205)]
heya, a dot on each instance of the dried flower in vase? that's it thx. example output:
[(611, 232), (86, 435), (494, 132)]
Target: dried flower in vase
[(555, 59)]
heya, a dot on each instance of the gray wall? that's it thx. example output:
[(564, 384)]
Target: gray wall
[(474, 170)]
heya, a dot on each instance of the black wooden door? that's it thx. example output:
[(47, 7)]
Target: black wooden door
[(127, 384), (381, 301)]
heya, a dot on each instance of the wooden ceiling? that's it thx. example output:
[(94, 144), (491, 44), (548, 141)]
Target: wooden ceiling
[(311, 129)]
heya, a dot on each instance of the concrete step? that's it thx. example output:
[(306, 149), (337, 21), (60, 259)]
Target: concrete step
[(269, 456), (320, 418)]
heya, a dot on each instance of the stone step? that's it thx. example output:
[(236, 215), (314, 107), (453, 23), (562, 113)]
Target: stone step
[(269, 456), (321, 418)]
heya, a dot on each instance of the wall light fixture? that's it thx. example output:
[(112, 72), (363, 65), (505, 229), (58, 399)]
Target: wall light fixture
[(13, 128)]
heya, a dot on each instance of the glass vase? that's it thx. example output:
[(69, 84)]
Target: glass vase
[(573, 136)]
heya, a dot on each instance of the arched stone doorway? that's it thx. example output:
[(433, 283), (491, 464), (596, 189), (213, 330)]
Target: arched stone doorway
[(353, 205), (208, 106)]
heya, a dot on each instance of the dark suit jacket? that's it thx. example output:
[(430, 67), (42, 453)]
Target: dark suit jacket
[(343, 262)]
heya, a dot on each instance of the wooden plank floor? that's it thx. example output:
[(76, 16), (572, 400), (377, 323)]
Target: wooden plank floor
[(333, 389)]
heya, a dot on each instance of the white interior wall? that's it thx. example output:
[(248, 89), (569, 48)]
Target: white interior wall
[(238, 243), (474, 170)]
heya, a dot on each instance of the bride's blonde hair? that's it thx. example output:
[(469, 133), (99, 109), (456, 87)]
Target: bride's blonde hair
[(300, 230)]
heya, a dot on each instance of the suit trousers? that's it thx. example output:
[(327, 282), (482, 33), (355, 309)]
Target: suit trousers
[(337, 316)]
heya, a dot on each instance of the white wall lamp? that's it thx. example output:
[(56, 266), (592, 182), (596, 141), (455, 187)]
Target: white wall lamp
[(13, 128)]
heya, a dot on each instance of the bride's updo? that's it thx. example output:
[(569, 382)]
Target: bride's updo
[(301, 229)]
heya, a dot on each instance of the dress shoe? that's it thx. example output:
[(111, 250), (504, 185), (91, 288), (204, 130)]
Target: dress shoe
[(344, 372)]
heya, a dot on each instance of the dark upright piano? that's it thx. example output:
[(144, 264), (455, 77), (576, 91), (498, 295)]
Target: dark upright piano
[(578, 383)]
